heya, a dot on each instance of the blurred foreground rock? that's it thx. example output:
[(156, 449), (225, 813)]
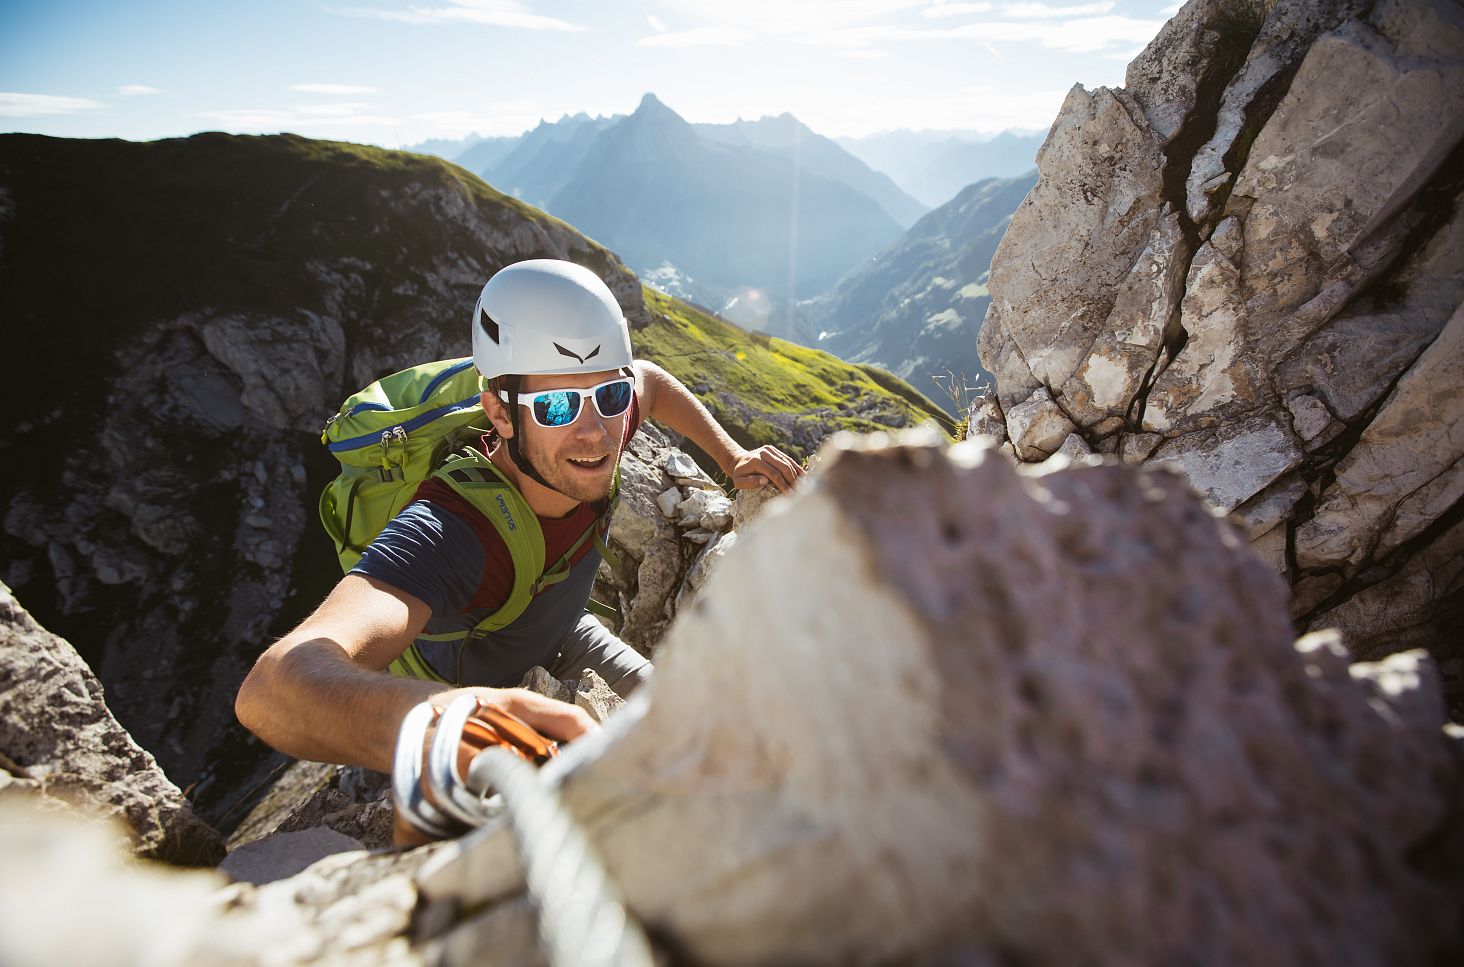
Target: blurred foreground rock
[(1006, 717), (60, 743)]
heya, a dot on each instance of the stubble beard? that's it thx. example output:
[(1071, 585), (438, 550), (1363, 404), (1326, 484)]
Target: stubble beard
[(567, 481)]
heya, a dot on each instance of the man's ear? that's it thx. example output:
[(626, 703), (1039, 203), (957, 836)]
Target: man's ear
[(497, 414)]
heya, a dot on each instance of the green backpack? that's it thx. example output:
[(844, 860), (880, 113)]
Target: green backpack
[(416, 424)]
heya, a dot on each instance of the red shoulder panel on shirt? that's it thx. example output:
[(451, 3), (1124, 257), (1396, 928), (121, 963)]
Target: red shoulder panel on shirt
[(559, 532)]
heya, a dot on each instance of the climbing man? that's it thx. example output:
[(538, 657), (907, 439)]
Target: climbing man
[(564, 397)]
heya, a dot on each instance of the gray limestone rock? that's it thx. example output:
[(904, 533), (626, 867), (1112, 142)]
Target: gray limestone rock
[(1239, 263), (57, 732), (1069, 749), (1076, 309), (282, 855), (1404, 472), (1038, 426), (1066, 748)]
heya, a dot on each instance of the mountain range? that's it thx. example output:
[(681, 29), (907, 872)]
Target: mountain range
[(934, 165), (917, 307), (767, 206), (780, 229)]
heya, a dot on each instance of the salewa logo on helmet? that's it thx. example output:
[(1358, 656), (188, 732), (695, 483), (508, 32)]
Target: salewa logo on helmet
[(507, 514), (568, 352)]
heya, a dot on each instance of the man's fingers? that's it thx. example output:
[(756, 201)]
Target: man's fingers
[(791, 468), (557, 720), (784, 470), (750, 481), (767, 465)]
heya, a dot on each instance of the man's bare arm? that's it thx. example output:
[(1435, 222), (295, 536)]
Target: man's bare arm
[(321, 692), (665, 400)]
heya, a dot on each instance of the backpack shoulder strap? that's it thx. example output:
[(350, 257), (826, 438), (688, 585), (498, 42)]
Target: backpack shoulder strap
[(473, 477)]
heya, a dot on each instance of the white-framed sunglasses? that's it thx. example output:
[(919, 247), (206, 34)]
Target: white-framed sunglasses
[(561, 407)]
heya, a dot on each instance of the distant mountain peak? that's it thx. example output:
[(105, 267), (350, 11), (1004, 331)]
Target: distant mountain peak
[(653, 130), (651, 104)]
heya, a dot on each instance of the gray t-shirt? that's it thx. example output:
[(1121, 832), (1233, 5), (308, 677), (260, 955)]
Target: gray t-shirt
[(431, 553)]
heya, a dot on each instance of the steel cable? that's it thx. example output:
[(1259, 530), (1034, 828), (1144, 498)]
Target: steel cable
[(582, 920)]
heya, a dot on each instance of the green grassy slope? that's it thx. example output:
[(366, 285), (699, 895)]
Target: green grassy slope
[(768, 390)]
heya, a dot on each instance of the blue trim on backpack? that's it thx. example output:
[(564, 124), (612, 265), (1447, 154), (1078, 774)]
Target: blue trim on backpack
[(446, 374), (363, 407), (370, 439)]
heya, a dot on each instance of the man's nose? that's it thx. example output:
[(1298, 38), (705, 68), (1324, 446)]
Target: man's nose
[(590, 424)]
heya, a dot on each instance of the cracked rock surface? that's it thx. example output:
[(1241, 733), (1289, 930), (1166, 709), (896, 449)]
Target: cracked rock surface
[(1248, 264), (993, 722), (60, 744)]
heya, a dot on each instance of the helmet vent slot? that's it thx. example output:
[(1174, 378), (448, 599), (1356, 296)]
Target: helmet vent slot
[(489, 326)]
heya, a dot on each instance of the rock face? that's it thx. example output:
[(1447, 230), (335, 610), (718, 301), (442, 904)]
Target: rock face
[(993, 721), (671, 519), (1248, 263), (59, 743)]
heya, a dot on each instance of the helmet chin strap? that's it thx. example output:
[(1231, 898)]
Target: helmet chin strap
[(519, 460)]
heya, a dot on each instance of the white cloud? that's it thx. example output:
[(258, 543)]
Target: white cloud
[(1081, 36), (334, 89), (853, 37), (491, 13), (15, 105), (699, 37), (1172, 9), (507, 117), (341, 109), (136, 90), (971, 110), (790, 16), (955, 9), (864, 53), (657, 24), (305, 117), (1042, 11)]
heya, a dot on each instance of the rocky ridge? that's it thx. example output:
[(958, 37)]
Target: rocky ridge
[(61, 747), (1248, 263)]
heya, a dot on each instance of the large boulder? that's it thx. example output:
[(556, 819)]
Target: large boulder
[(1248, 264), (1009, 716), (60, 743)]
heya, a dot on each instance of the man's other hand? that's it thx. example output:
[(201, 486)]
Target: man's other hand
[(765, 465), (559, 721)]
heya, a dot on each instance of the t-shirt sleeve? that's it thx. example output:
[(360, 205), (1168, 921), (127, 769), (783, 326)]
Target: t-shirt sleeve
[(429, 552)]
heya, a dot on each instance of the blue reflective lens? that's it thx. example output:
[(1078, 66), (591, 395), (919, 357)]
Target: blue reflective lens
[(611, 399), (556, 408)]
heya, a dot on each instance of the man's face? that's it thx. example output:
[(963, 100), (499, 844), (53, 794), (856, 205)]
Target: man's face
[(577, 460)]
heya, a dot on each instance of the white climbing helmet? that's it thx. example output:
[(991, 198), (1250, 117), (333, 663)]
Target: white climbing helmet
[(548, 316)]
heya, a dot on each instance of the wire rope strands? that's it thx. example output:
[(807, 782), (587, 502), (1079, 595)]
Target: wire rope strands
[(581, 918)]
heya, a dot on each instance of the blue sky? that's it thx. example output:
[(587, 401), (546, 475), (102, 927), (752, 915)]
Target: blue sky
[(395, 72)]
